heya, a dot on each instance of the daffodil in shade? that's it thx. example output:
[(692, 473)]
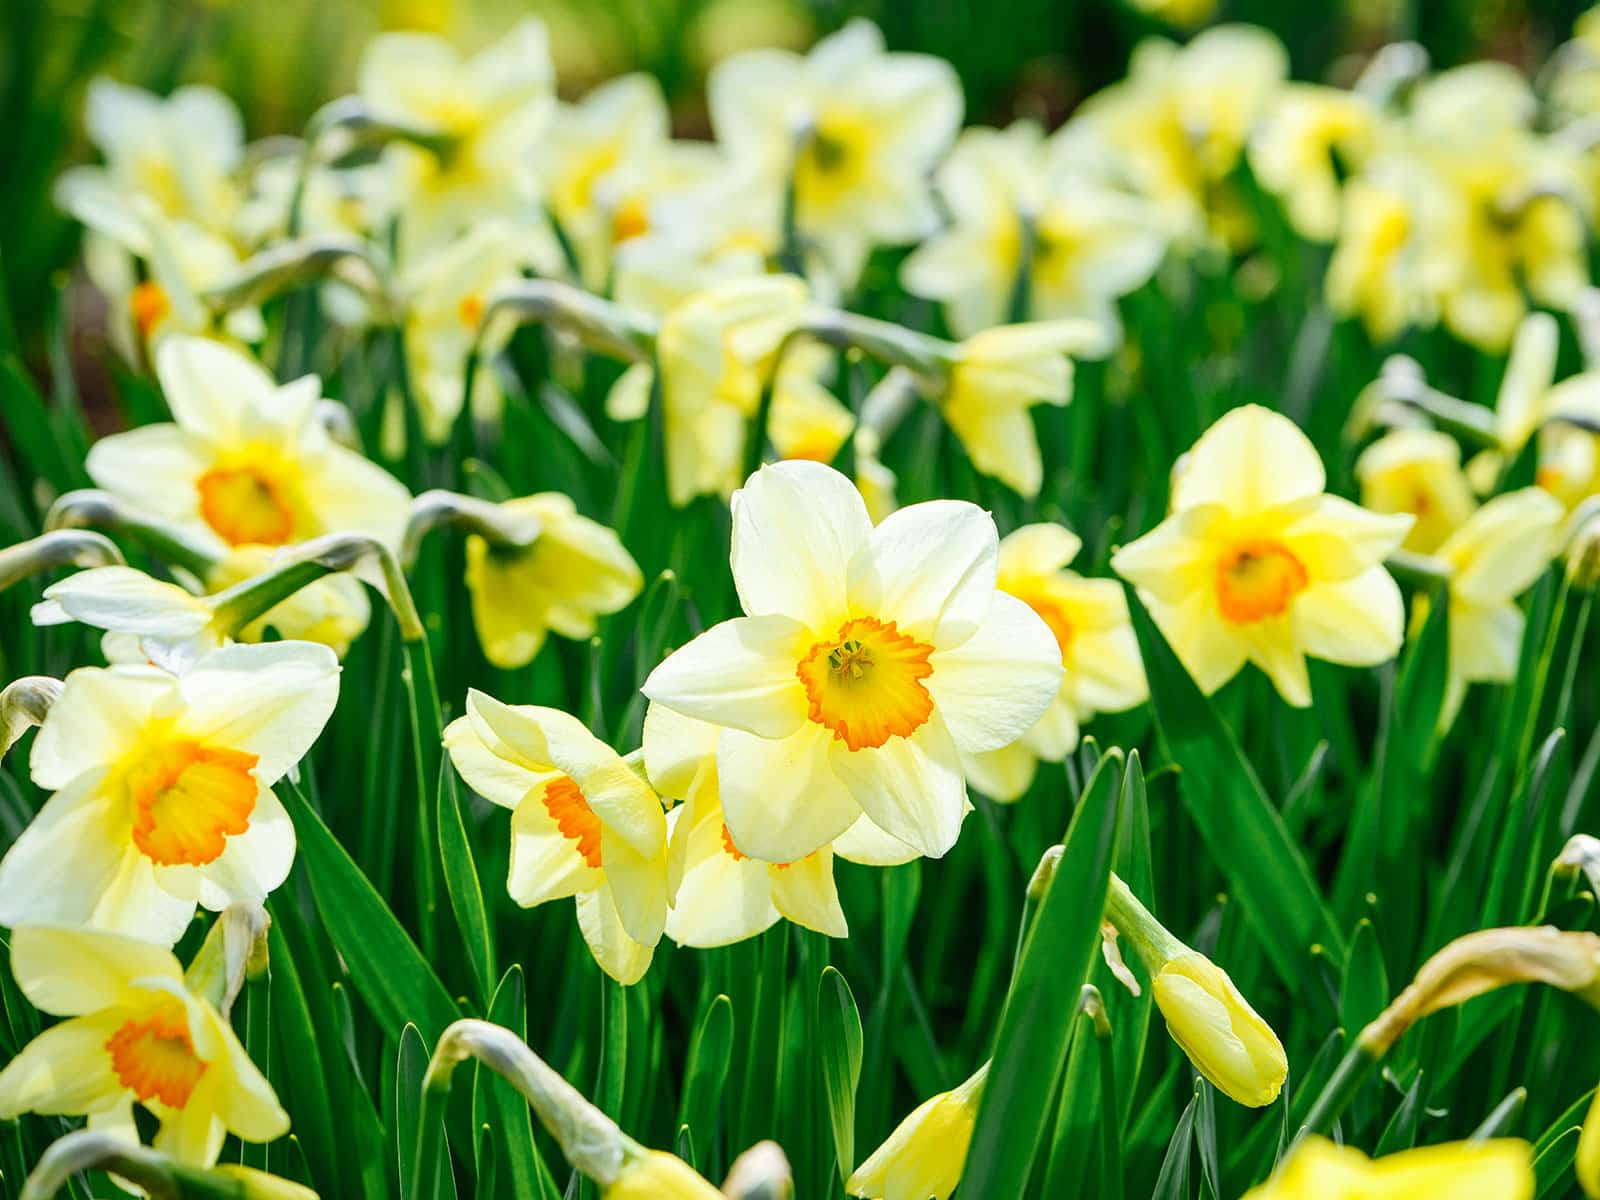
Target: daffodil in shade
[(926, 1154), (1257, 564), (133, 1034), (852, 129), (1497, 1169), (245, 461), (483, 117), (163, 789), (1588, 1156), (720, 894), (1099, 653), (867, 662), (1225, 1039), (1493, 557), (583, 824), (996, 377), (575, 571), (1013, 204), (1417, 471)]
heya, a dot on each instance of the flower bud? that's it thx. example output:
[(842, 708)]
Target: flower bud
[(1588, 1164), (760, 1173), (23, 705), (657, 1175), (1216, 1027), (927, 1153)]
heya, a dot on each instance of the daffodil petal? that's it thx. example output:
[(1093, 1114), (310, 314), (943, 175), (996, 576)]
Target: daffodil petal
[(64, 1070), (993, 687), (931, 569), (780, 796), (911, 787), (740, 674)]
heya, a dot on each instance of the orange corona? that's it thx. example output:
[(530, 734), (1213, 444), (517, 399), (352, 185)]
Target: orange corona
[(865, 685), (154, 1057), (573, 817), (245, 505), (149, 305), (1256, 579), (188, 800)]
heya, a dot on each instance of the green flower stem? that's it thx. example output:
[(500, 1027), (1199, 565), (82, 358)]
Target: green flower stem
[(1022, 286), (598, 323), (57, 548), (245, 602), (927, 358), (494, 523), (1419, 570), (298, 262), (1091, 1005), (1352, 1071), (1136, 926), (89, 507)]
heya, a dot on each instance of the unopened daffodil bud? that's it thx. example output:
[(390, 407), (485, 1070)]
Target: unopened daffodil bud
[(1499, 1169), (156, 1174), (58, 547), (1588, 1161), (23, 704), (1225, 1038), (760, 1173), (927, 1152), (657, 1175)]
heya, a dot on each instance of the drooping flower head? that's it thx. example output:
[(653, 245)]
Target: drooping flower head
[(868, 661)]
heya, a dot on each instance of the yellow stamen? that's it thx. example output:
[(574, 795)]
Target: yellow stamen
[(564, 801), (245, 505), (188, 799), (866, 684), (155, 1059), (1257, 579)]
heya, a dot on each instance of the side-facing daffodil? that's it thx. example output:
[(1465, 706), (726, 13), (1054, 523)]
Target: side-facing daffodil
[(134, 1033), (1417, 471), (245, 461), (163, 789), (720, 894), (867, 662), (1494, 557), (583, 824), (1099, 653), (926, 1154), (996, 377), (1500, 1169), (575, 571), (1256, 563), (853, 130)]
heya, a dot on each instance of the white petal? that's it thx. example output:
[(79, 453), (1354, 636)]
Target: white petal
[(545, 865), (97, 719), (741, 674), (66, 859), (795, 527), (69, 972), (870, 846), (1251, 459), (497, 777), (619, 956), (211, 388), (1358, 622), (128, 601), (271, 700), (931, 569), (1039, 549), (638, 887), (993, 687), (911, 787), (780, 797), (676, 748), (721, 899), (64, 1070), (805, 893), (155, 468), (1003, 774)]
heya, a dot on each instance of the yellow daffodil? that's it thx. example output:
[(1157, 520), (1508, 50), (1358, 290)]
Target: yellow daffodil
[(575, 571), (853, 130), (1417, 471), (996, 377), (163, 789), (1099, 653), (867, 662), (133, 1033), (1257, 564), (1501, 1169), (486, 113), (1569, 448), (1297, 151), (722, 895), (1524, 399), (1588, 1156), (715, 353), (1380, 272), (1087, 242), (246, 462), (583, 824), (1494, 557), (927, 1152), (1179, 122)]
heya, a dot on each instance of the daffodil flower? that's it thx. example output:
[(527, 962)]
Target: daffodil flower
[(1492, 558), (656, 1175), (246, 462), (926, 1154), (1500, 1169), (853, 130), (1257, 564), (720, 894), (1099, 654), (163, 789), (583, 824), (575, 571), (1380, 271), (133, 1033), (487, 112), (1086, 241), (1417, 471), (1305, 139), (868, 661)]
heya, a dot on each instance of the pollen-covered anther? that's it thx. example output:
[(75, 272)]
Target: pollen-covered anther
[(154, 1057), (564, 801), (188, 799), (865, 685), (1257, 579)]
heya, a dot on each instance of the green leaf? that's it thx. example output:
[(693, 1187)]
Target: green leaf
[(1366, 981), (1241, 828), (1173, 1182), (705, 1072), (413, 1118), (1401, 1132), (1032, 1042), (497, 1104), (462, 886), (1552, 1165), (839, 1030), (388, 969)]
